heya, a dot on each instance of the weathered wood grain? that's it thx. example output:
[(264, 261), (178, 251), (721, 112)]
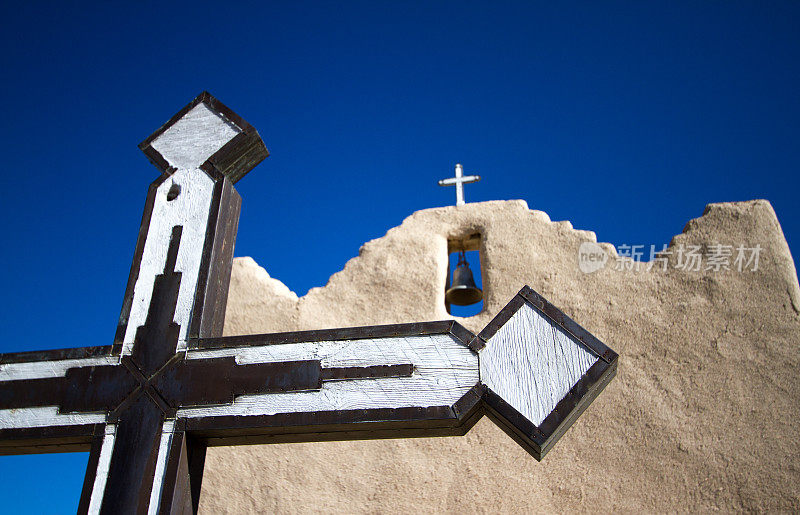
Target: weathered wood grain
[(46, 416), (101, 473), (190, 210), (444, 370), (198, 135), (42, 369), (532, 363), (167, 431)]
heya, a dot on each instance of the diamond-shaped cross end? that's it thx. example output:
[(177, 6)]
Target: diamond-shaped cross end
[(540, 371), (206, 134)]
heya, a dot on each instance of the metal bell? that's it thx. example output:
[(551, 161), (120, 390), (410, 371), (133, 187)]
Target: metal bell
[(463, 291)]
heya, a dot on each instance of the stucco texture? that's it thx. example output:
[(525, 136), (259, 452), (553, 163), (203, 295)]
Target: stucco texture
[(702, 415)]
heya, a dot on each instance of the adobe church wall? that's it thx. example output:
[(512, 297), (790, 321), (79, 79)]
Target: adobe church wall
[(702, 415)]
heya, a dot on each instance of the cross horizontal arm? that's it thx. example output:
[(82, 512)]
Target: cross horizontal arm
[(538, 371), (377, 381), (50, 370), (532, 369), (457, 180)]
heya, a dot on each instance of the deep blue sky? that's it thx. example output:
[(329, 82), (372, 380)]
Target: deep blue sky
[(626, 118)]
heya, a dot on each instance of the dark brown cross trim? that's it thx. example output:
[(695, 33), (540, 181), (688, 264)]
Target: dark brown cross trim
[(142, 395)]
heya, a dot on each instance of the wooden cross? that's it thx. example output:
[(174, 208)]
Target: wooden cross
[(147, 406), (459, 180)]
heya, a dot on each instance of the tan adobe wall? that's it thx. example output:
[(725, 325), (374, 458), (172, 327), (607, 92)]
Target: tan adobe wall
[(703, 413)]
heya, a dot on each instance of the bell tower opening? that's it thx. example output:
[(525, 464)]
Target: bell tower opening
[(463, 291)]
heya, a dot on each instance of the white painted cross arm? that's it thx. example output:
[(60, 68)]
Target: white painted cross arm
[(532, 370)]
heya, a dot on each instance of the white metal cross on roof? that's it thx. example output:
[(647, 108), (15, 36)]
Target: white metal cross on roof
[(459, 180)]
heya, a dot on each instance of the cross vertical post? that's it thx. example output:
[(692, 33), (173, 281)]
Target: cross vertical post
[(124, 398), (190, 223)]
